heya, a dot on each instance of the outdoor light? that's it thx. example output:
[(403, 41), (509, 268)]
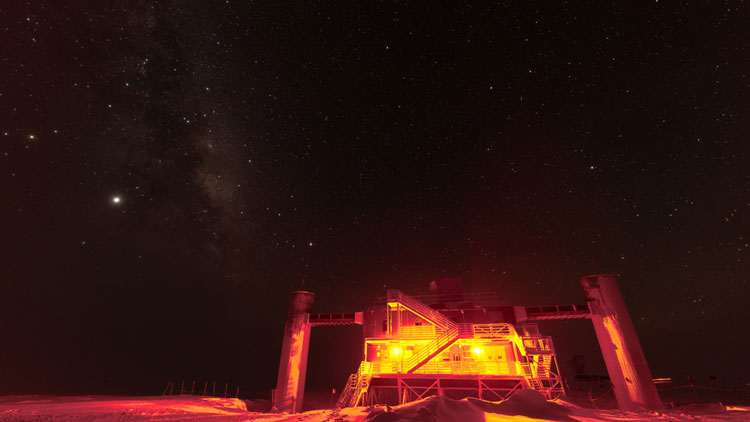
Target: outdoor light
[(478, 350)]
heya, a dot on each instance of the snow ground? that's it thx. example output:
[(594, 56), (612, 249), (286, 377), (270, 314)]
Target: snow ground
[(525, 407)]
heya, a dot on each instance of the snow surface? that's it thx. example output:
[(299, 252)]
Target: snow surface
[(524, 406)]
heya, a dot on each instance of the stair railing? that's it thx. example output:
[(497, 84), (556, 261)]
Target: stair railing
[(345, 395), (430, 348), (421, 309)]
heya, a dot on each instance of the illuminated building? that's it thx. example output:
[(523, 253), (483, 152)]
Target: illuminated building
[(457, 345)]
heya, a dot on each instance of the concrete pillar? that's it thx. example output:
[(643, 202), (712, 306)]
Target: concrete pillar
[(623, 355), (290, 385)]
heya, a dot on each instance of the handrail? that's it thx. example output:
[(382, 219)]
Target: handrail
[(344, 396), (363, 382), (538, 345), (487, 296), (439, 343), (355, 386), (430, 348), (543, 366), (493, 330), (421, 309), (547, 312)]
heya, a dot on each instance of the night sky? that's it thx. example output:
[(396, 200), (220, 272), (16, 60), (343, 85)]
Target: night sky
[(358, 145)]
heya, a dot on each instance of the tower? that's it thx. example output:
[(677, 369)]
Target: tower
[(623, 355), (290, 384)]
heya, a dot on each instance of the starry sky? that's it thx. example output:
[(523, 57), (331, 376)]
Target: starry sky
[(169, 171)]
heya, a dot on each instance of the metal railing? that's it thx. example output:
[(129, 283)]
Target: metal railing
[(194, 388), (421, 309), (424, 332), (440, 342), (534, 313), (538, 345), (345, 395), (356, 386), (544, 366), (492, 330), (363, 383), (489, 296)]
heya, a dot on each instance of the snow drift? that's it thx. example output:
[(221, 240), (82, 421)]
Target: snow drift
[(526, 403)]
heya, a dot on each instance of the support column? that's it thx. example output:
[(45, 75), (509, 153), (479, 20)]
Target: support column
[(623, 355), (290, 385)]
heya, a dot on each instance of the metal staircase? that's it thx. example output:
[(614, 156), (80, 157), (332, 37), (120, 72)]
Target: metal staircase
[(448, 330), (544, 363), (436, 346), (541, 376), (431, 349), (535, 384), (346, 395), (419, 308), (531, 378), (356, 387)]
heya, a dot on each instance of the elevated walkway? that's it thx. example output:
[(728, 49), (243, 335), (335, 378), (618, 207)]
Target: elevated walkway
[(555, 312)]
